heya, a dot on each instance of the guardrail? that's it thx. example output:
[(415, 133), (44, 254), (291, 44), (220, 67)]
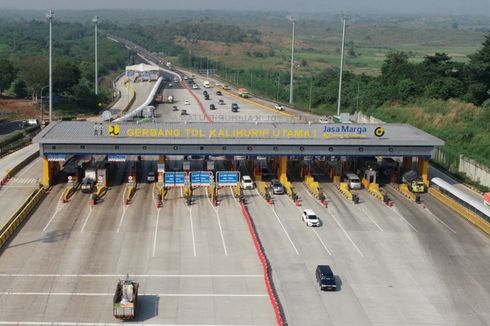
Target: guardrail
[(344, 189), (273, 297), (12, 172), (16, 220), (460, 209), (131, 95)]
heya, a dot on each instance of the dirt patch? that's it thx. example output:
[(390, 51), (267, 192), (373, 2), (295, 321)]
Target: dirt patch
[(18, 109)]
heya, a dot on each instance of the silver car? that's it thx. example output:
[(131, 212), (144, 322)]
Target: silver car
[(277, 187)]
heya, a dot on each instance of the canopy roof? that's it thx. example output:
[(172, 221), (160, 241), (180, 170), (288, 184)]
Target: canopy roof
[(142, 67)]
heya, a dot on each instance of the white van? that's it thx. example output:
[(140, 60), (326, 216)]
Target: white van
[(352, 180), (206, 84)]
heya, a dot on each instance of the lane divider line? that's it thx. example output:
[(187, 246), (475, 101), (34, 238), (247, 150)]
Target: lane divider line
[(347, 235), (284, 229), (91, 294), (136, 275), (156, 232), (406, 221), (59, 206), (440, 221), (216, 211), (86, 219)]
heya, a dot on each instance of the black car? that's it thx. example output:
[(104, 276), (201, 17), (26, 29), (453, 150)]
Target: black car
[(183, 112), (219, 93), (212, 107), (205, 93), (221, 102), (234, 107), (206, 97), (325, 278)]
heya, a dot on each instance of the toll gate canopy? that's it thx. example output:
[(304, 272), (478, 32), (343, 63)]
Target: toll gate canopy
[(235, 138)]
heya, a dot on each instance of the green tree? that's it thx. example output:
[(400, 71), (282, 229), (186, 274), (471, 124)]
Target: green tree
[(34, 72), (7, 74), (395, 68), (479, 67)]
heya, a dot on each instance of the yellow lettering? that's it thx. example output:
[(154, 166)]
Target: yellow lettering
[(265, 133), (221, 133), (187, 132), (130, 132), (145, 132), (160, 132), (153, 132), (137, 132), (212, 133), (276, 133), (177, 132)]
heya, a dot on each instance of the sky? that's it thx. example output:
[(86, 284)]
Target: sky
[(430, 7)]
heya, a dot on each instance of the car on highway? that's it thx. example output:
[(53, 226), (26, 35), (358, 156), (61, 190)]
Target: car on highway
[(206, 97), (219, 93), (247, 182), (234, 107), (212, 107), (225, 87), (194, 86), (183, 112), (170, 85), (187, 102), (185, 77), (277, 187), (205, 92), (150, 177), (174, 108), (325, 120), (278, 107), (221, 102), (310, 218), (325, 278)]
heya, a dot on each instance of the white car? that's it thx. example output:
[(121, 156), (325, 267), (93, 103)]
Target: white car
[(325, 120), (194, 86), (151, 176), (310, 218), (187, 102), (278, 107), (247, 182)]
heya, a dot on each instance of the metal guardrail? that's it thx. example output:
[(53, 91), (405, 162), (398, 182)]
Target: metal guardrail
[(16, 220)]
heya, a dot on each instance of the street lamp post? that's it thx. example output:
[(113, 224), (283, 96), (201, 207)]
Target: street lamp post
[(341, 65), (42, 106), (95, 20), (291, 18), (50, 17)]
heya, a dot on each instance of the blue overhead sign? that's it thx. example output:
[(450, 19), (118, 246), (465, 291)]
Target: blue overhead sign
[(174, 179), (226, 178), (200, 178), (116, 158)]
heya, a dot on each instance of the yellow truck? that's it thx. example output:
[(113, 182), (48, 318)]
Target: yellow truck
[(414, 183)]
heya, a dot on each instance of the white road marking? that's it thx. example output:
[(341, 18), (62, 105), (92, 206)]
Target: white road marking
[(156, 232), (397, 213), (87, 218), (216, 210), (58, 208), (440, 221), (91, 294), (347, 235), (365, 211), (323, 244), (19, 187), (192, 227), (284, 229), (138, 275), (125, 208)]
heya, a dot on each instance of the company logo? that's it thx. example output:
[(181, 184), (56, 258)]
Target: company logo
[(114, 130), (379, 132)]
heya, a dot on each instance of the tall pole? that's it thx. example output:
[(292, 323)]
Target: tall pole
[(341, 65), (292, 65), (311, 88), (50, 17), (277, 94), (95, 20)]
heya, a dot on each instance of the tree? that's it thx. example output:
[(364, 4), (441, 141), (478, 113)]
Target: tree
[(479, 66), (395, 68), (7, 74), (34, 72), (65, 76)]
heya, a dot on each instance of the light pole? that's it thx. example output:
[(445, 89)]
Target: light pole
[(95, 20), (341, 65), (42, 106), (50, 17), (291, 18)]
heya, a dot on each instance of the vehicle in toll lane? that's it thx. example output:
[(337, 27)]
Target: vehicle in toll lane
[(277, 187), (212, 107), (325, 278), (310, 218), (88, 182), (150, 177), (247, 182), (125, 300), (352, 180), (221, 102), (170, 85), (234, 107)]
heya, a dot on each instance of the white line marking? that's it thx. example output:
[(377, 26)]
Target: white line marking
[(192, 231), (397, 213), (156, 232), (125, 208), (139, 276), (89, 294), (347, 235), (87, 218), (284, 229), (216, 210), (365, 211), (323, 244), (440, 221), (20, 187), (58, 208)]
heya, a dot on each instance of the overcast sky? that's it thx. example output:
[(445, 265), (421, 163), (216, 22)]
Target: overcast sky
[(432, 7)]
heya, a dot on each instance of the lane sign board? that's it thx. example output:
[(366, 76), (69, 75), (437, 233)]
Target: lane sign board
[(228, 178)]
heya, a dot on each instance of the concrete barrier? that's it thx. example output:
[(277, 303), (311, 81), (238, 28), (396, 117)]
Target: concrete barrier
[(461, 210), (403, 189), (312, 186), (16, 220)]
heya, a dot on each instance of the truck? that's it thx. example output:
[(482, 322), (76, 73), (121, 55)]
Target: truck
[(486, 199), (413, 181), (88, 181), (243, 92), (125, 299), (170, 99)]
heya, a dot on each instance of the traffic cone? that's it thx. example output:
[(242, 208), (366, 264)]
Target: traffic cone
[(270, 201), (325, 203), (297, 202)]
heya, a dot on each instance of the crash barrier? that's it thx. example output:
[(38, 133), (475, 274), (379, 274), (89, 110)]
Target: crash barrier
[(24, 211), (237, 192), (131, 96), (101, 191), (461, 210), (129, 193), (312, 186), (403, 189), (140, 108), (18, 139), (345, 191), (273, 297), (374, 190), (12, 172), (69, 191)]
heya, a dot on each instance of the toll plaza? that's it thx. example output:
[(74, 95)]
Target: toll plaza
[(264, 150)]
